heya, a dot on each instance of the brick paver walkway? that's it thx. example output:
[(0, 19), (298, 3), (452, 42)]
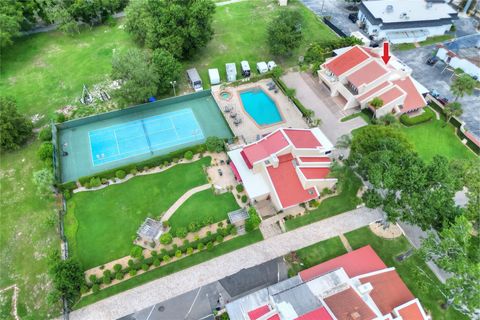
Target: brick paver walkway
[(186, 280)]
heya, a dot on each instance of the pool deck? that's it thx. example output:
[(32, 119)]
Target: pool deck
[(249, 129)]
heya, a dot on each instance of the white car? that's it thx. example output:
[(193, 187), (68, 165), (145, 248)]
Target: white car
[(271, 65), (262, 67)]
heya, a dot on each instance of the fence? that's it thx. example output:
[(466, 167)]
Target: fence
[(334, 27)]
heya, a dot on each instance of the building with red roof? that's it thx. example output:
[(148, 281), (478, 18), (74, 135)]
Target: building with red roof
[(358, 75), (354, 286), (288, 166)]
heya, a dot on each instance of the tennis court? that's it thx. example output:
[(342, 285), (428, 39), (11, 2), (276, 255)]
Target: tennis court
[(114, 139), (143, 136)]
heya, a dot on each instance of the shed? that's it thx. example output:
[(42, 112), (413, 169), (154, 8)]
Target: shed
[(149, 230), (231, 71), (214, 76)]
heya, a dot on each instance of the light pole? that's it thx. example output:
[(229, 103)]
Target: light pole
[(173, 83)]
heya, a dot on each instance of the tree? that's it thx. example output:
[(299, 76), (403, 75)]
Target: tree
[(387, 120), (167, 69), (10, 21), (139, 78), (452, 109), (463, 85), (253, 221), (67, 276), (43, 179), (214, 144), (166, 238), (455, 250), (285, 32), (344, 142), (376, 102), (179, 26), (15, 129)]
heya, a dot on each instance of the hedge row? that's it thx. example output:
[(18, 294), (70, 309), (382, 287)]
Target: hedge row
[(426, 116), (299, 105)]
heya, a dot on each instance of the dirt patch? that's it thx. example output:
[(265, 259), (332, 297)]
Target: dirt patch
[(390, 232)]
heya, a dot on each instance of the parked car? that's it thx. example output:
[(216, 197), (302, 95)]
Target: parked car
[(434, 93), (374, 44), (442, 100), (353, 17), (220, 173), (432, 60), (271, 65)]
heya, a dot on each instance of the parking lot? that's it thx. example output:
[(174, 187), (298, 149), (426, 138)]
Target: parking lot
[(438, 78), (336, 9)]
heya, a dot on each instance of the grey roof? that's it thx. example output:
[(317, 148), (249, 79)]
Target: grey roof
[(419, 16), (238, 215), (149, 228), (193, 75), (284, 285), (300, 298)]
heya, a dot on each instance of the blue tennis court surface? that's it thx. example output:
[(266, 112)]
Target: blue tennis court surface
[(143, 136)]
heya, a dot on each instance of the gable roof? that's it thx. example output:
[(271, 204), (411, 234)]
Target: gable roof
[(265, 147), (414, 99), (346, 61), (348, 305)]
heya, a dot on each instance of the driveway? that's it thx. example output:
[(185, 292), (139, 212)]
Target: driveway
[(439, 79), (183, 281), (336, 9), (314, 96)]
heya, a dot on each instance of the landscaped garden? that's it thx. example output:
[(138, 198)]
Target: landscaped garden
[(413, 270), (348, 185)]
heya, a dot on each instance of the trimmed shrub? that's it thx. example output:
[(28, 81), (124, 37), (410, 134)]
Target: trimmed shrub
[(189, 250), (95, 182), (130, 263), (95, 288), (84, 289), (219, 238), (136, 252), (165, 223), (210, 245), (45, 151), (156, 262), (132, 272), (93, 278), (67, 194), (166, 258), (244, 198), (239, 188), (120, 174), (188, 155), (117, 267), (426, 116), (214, 144), (178, 254), (192, 227), (107, 280), (253, 221), (104, 181), (233, 231), (45, 134), (134, 171), (154, 253), (200, 246), (181, 232), (145, 267), (119, 275), (166, 238)]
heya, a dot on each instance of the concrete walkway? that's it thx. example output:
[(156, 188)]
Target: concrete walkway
[(182, 199), (186, 280)]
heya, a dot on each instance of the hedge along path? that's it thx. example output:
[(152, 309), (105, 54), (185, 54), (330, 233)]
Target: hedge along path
[(154, 170), (14, 299)]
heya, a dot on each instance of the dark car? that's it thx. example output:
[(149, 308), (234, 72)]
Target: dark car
[(374, 44), (353, 17), (432, 60), (442, 100)]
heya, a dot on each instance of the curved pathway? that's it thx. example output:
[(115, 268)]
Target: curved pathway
[(182, 199), (207, 272)]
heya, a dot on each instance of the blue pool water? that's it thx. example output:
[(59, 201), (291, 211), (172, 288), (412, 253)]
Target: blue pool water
[(260, 107), (143, 136)]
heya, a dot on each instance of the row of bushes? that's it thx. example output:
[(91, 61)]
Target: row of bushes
[(426, 116), (182, 232), (305, 111)]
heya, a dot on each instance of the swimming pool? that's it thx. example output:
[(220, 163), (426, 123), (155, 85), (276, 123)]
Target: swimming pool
[(258, 104)]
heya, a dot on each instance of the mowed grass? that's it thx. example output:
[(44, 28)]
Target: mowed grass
[(101, 225), (345, 201), (241, 34), (6, 307), (218, 250), (433, 137), (203, 204), (45, 72), (27, 233), (414, 271)]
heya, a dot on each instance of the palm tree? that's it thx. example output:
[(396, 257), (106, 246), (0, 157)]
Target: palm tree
[(452, 109), (344, 142), (463, 85)]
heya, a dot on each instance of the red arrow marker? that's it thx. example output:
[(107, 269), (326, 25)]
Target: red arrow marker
[(386, 55)]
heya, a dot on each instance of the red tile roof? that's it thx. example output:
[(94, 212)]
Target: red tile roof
[(315, 159), (389, 291), (413, 100), (348, 305), (346, 61), (287, 185), (315, 173), (257, 313), (390, 95), (367, 74), (355, 263), (235, 171), (264, 148), (411, 312), (371, 92), (302, 138), (317, 314)]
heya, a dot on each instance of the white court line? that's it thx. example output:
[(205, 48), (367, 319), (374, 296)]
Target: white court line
[(116, 140)]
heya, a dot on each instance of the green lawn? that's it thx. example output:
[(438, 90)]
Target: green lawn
[(201, 205), (6, 305), (429, 41), (347, 200), (221, 249), (27, 233), (46, 71), (432, 138), (100, 225), (414, 271)]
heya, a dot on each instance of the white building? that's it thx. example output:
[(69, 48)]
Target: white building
[(405, 21), (462, 54)]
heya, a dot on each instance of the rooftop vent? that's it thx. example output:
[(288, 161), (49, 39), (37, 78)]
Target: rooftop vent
[(404, 16), (389, 8)]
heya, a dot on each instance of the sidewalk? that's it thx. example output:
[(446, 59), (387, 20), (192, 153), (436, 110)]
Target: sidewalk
[(186, 280)]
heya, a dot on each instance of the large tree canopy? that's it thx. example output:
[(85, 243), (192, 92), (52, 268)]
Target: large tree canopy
[(15, 128), (179, 26), (10, 21), (166, 67), (410, 189), (285, 32)]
